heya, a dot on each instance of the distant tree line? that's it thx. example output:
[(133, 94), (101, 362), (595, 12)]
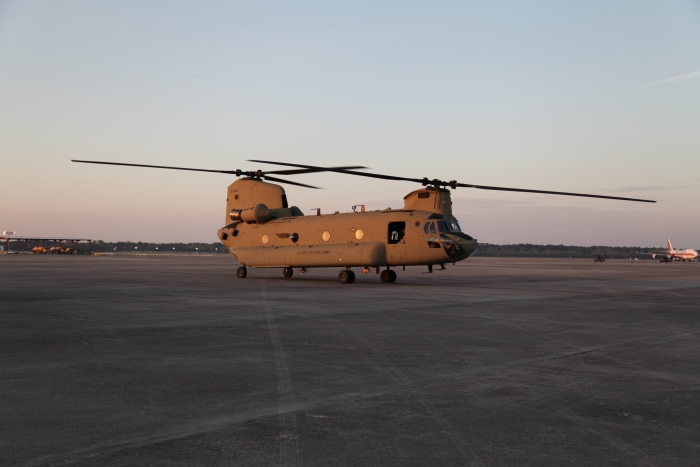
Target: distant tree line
[(520, 250), (136, 247), (527, 250)]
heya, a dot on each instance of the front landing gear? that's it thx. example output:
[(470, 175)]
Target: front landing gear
[(287, 272), (388, 276), (242, 272), (346, 276)]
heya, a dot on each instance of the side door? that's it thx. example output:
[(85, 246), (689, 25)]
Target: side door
[(396, 242)]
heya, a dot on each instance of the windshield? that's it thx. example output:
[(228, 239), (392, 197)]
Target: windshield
[(442, 226)]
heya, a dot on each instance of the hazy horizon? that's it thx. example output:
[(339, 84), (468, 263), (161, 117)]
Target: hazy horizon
[(595, 97)]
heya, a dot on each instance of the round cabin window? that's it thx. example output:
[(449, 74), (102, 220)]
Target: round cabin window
[(326, 236), (265, 239), (359, 234), (294, 237)]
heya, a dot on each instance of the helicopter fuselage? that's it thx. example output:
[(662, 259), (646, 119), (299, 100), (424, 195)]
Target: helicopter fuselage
[(282, 237), (355, 239)]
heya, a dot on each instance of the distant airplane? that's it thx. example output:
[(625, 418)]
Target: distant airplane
[(674, 255)]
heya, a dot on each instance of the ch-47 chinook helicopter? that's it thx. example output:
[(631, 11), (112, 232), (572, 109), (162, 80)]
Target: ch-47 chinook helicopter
[(262, 231)]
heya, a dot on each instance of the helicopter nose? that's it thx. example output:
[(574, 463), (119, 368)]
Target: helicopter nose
[(458, 246), (469, 246)]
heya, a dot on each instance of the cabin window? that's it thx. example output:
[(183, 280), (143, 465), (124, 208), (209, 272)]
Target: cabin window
[(397, 232), (442, 226), (429, 228), (326, 236), (265, 239), (454, 226), (359, 234)]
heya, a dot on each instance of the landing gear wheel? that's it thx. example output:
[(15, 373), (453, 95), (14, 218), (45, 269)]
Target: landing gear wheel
[(242, 272), (346, 276), (388, 275), (288, 272)]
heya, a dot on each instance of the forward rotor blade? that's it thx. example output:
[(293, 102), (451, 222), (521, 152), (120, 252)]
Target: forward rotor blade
[(307, 171), (156, 166), (279, 180), (463, 185), (343, 171), (561, 193)]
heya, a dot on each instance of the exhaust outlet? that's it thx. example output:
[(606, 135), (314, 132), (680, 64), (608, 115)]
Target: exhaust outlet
[(257, 215)]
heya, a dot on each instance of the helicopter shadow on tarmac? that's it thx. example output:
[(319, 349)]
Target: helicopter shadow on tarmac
[(334, 281)]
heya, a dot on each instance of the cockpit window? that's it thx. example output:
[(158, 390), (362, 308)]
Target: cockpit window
[(452, 247), (442, 226)]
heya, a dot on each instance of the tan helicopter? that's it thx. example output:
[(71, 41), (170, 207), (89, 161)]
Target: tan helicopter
[(262, 231)]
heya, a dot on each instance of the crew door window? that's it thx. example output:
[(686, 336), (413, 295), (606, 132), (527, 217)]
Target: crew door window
[(397, 232)]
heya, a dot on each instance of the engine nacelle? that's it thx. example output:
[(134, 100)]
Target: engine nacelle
[(257, 215)]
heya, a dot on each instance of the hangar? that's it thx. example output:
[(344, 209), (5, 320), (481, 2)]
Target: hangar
[(56, 245)]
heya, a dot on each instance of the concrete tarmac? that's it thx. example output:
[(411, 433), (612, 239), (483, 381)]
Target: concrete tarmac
[(175, 361)]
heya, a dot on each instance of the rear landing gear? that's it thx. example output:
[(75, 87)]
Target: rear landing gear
[(288, 272), (388, 276), (242, 272), (346, 276)]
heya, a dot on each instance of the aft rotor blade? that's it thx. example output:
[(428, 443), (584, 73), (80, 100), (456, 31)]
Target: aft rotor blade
[(233, 172), (561, 193), (343, 171), (279, 180)]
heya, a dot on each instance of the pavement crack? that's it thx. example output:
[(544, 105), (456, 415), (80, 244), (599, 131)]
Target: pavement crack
[(598, 349), (289, 446)]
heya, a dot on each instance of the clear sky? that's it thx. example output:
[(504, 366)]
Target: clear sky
[(598, 96)]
